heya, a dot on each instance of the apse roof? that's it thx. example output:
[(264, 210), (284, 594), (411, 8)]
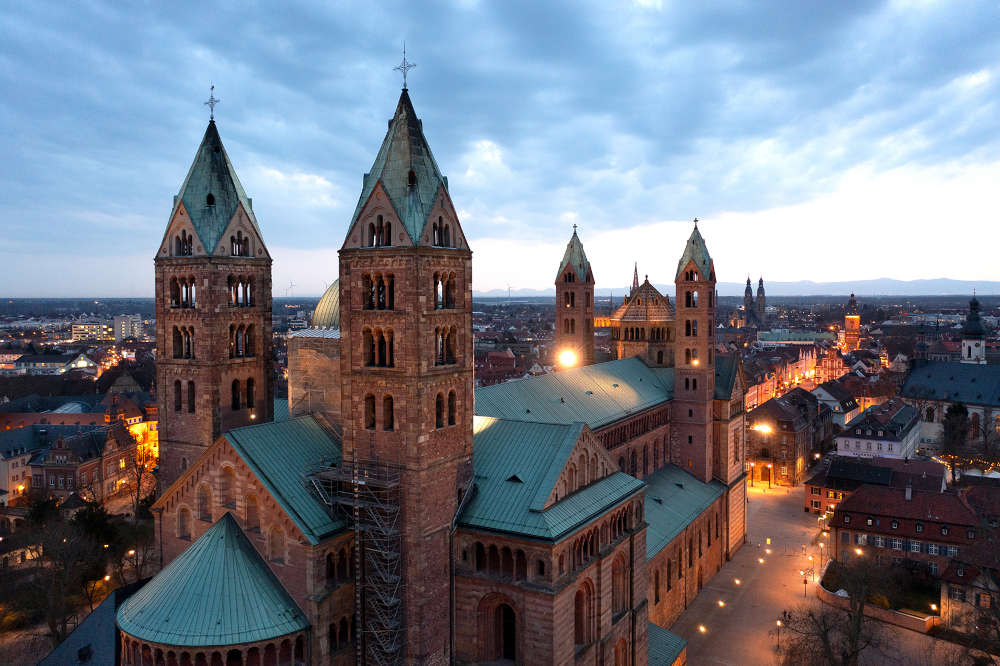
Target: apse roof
[(327, 312), (219, 591)]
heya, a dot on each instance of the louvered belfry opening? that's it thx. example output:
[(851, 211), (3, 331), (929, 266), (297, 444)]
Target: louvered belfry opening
[(366, 492)]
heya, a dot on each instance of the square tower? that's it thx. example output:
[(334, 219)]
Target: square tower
[(407, 370), (694, 362), (213, 313), (574, 307)]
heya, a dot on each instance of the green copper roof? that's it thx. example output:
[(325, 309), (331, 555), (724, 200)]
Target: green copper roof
[(726, 368), (575, 257), (327, 312), (212, 174), (217, 592), (517, 465), (664, 646), (674, 499), (593, 394), (279, 455), (695, 251), (404, 149)]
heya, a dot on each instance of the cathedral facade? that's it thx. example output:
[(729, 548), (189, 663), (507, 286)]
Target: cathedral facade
[(399, 515)]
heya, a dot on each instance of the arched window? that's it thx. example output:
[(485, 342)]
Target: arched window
[(178, 343), (183, 523), (204, 503), (390, 289), (438, 292), (480, 557), (656, 586), (276, 545), (439, 411), (387, 237), (450, 345), (370, 412), (253, 514), (371, 235), (178, 395), (452, 408), (368, 342), (236, 395), (447, 236), (449, 292), (388, 421), (250, 395), (227, 481), (582, 614), (210, 199), (367, 293), (411, 178), (331, 571), (191, 397), (619, 585)]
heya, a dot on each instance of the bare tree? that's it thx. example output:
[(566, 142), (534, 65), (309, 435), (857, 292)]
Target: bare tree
[(954, 434), (139, 475)]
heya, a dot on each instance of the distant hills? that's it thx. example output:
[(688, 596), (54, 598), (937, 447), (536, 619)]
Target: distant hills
[(877, 287)]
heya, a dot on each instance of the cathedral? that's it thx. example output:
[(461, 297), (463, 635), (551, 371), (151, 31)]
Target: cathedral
[(755, 312), (397, 514)]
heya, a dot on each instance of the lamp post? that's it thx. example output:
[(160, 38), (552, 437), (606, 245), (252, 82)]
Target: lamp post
[(752, 464), (821, 545), (769, 474), (778, 626)]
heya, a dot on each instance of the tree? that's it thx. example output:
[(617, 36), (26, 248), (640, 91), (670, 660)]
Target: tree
[(824, 635), (954, 434)]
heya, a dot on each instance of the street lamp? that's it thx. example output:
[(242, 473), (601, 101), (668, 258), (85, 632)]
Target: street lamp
[(821, 545), (778, 628), (752, 464), (769, 473)]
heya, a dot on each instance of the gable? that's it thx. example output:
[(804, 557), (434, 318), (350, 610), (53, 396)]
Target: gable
[(443, 212), (378, 204), (180, 221), (586, 463), (241, 224)]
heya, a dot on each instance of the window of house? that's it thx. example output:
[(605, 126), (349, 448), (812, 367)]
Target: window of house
[(897, 544), (914, 546), (870, 521), (847, 519), (815, 490), (971, 534), (920, 526), (932, 549), (944, 530), (952, 551), (895, 524), (815, 504)]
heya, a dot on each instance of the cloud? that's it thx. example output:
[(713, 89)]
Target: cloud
[(628, 116)]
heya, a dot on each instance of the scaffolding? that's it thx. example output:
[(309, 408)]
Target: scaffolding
[(366, 492)]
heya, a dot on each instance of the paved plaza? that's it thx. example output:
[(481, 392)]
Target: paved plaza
[(739, 618)]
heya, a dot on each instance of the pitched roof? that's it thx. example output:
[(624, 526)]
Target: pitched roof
[(327, 312), (217, 592), (575, 257), (664, 646), (645, 303), (894, 418), (280, 454), (593, 394), (674, 499), (404, 149), (517, 465), (213, 173), (727, 367), (941, 507), (695, 251), (952, 381)]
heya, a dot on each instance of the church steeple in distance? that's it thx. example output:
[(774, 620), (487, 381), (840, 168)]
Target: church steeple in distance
[(973, 336)]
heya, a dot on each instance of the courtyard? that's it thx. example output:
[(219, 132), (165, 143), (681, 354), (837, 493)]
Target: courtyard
[(733, 620)]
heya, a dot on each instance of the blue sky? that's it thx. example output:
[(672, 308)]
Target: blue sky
[(820, 141)]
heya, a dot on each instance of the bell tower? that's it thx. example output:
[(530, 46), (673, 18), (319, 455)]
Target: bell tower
[(973, 336), (213, 312), (574, 307), (694, 362), (407, 369)]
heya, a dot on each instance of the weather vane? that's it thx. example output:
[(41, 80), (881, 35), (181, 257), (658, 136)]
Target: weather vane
[(212, 101), (404, 66)]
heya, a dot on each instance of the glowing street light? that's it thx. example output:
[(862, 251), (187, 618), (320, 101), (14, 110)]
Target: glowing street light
[(857, 551), (934, 607), (721, 603), (761, 560), (702, 628), (568, 358), (737, 581)]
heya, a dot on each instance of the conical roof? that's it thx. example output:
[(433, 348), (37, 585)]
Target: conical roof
[(217, 592), (327, 312), (405, 150), (749, 290), (973, 327), (695, 251), (852, 305), (575, 256), (211, 191)]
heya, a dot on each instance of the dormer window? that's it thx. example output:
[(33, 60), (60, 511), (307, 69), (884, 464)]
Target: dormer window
[(920, 526), (971, 534), (944, 530), (847, 519), (210, 199), (411, 178), (895, 524)]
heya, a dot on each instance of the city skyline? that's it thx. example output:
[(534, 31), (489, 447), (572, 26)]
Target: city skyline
[(803, 139)]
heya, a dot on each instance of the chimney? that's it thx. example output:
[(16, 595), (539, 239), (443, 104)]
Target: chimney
[(909, 491)]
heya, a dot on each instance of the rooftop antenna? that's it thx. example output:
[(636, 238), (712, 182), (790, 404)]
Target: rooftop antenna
[(212, 101), (404, 66)]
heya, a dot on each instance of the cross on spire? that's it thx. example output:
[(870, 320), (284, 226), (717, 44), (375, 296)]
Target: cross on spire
[(696, 223), (404, 66), (212, 101)]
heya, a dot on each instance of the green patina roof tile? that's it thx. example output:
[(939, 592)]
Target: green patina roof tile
[(280, 454), (695, 251), (673, 500), (404, 149), (213, 173), (517, 465), (575, 257), (664, 646), (217, 592), (593, 394)]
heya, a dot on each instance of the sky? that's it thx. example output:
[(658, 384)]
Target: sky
[(814, 140)]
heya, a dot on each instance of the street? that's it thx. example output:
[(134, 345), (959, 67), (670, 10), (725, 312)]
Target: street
[(733, 620)]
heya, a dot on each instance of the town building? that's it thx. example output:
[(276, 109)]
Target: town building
[(401, 515), (55, 364), (840, 401), (128, 326), (86, 331), (852, 326), (888, 430), (897, 525), (755, 313), (784, 435), (837, 477)]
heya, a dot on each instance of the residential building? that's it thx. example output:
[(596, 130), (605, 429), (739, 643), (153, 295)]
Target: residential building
[(888, 430), (128, 326), (837, 477), (92, 331), (840, 401), (54, 364)]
